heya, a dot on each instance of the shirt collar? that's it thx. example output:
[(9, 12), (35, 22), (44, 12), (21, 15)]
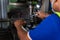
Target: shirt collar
[(58, 13)]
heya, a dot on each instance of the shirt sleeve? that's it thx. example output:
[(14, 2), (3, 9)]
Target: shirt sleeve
[(29, 36), (38, 34)]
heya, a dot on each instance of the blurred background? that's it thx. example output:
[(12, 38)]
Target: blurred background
[(9, 10)]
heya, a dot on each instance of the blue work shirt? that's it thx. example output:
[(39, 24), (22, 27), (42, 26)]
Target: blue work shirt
[(48, 29)]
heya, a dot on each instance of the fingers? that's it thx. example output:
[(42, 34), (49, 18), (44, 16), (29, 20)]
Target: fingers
[(38, 13)]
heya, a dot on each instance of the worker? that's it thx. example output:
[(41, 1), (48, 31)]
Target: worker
[(48, 29)]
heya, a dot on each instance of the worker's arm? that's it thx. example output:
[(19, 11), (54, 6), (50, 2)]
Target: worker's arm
[(22, 34)]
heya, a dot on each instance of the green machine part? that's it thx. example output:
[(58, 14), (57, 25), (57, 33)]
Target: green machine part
[(11, 6), (12, 1)]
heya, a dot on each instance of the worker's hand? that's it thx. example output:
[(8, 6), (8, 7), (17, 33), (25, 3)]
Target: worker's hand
[(19, 23), (40, 14)]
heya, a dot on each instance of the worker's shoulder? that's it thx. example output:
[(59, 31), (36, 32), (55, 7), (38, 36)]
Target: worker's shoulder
[(51, 19)]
